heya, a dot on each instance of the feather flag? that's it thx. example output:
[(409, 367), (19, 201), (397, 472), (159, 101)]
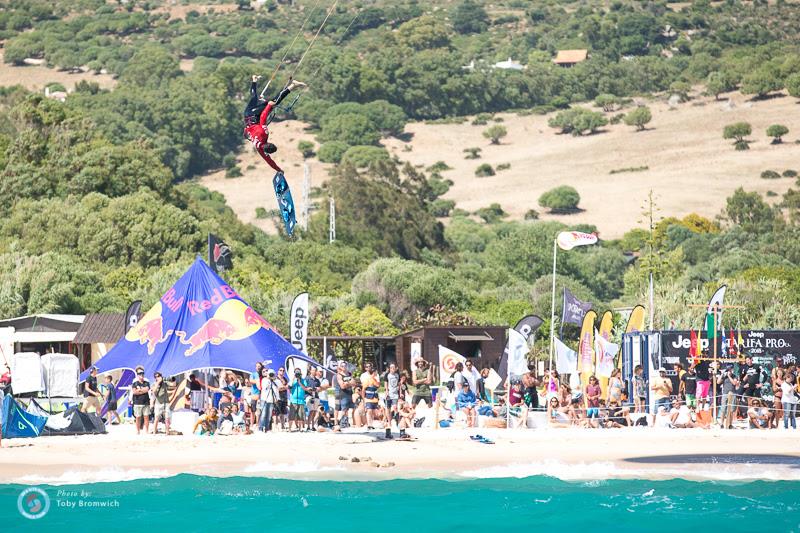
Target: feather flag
[(723, 344), (740, 343), (693, 349)]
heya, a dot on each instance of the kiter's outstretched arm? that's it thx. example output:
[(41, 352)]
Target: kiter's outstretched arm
[(268, 159)]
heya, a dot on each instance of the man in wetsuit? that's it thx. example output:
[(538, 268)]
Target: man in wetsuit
[(256, 114)]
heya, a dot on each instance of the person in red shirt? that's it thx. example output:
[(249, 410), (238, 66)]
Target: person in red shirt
[(256, 114)]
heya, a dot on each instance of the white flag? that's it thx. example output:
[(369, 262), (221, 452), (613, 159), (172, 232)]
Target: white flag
[(517, 353), (567, 240), (448, 359), (605, 352), (566, 358), (492, 381)]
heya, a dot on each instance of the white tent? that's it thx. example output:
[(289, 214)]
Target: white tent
[(61, 372), (26, 373)]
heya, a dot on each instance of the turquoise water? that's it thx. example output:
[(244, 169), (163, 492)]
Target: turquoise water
[(195, 503)]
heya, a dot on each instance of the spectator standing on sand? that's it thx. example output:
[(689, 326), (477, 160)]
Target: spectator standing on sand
[(111, 401), (662, 388), (392, 380), (789, 400), (689, 386), (593, 393), (255, 392), (312, 398), (162, 393), (343, 385), (472, 376), (297, 400), (703, 373), (91, 392), (140, 388), (281, 411), (370, 383), (422, 383), (324, 386), (639, 390), (729, 384), (269, 395)]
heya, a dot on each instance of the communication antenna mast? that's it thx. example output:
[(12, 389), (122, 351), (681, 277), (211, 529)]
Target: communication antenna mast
[(332, 228), (306, 194)]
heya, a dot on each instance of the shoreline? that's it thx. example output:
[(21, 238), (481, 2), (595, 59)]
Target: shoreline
[(568, 454)]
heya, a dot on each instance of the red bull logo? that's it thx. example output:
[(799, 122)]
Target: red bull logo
[(233, 320), (149, 330), (214, 331)]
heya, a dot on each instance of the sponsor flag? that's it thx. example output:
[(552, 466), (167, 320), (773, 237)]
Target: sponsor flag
[(693, 345), (220, 257), (567, 240), (714, 313), (739, 343), (733, 348), (636, 320), (605, 351), (586, 347), (448, 359), (527, 326), (723, 344), (298, 322), (566, 358), (573, 310), (517, 348), (132, 315), (492, 381)]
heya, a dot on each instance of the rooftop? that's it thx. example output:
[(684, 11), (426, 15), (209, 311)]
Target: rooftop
[(565, 57)]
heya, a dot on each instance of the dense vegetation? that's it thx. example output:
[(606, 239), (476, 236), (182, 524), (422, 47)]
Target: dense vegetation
[(97, 205)]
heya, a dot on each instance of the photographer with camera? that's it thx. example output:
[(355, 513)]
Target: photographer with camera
[(162, 393), (269, 394), (298, 388)]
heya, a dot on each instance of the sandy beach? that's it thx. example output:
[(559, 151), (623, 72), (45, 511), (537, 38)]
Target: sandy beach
[(569, 454)]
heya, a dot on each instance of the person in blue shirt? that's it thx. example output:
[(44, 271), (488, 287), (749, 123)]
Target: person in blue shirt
[(297, 400), (466, 401)]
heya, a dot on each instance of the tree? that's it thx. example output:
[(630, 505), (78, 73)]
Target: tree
[(681, 90), (563, 198), (364, 156), (608, 102), (577, 121), (776, 131), (762, 82), (793, 85), (718, 83), (423, 33), (469, 17), (639, 117), (738, 131), (151, 66), (495, 133), (332, 151), (749, 211), (306, 148), (491, 214), (472, 153), (350, 128)]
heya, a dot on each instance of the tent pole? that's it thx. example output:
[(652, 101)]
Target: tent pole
[(553, 303)]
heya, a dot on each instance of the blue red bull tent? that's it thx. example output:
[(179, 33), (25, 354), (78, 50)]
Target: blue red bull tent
[(200, 322)]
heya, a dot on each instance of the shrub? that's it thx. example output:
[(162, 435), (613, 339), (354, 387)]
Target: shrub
[(776, 131), (503, 166), (639, 117), (491, 214), (789, 173), (577, 121), (364, 156), (608, 102), (439, 166), (616, 119), (332, 152), (531, 214), (770, 175), (261, 213), (56, 87), (681, 90), (561, 198), (738, 131), (472, 153), (439, 187), (484, 170), (229, 161), (481, 119), (495, 133), (771, 194), (306, 148), (233, 172), (441, 207)]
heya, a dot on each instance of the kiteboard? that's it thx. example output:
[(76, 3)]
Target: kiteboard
[(285, 202)]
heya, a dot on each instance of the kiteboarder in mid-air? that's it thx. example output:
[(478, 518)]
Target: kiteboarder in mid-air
[(256, 114)]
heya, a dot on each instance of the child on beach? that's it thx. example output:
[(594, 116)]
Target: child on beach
[(207, 423)]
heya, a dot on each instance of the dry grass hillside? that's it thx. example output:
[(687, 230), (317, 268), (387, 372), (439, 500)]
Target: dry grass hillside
[(35, 77), (691, 168)]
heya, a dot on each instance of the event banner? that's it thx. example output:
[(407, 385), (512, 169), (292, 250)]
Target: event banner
[(573, 310), (762, 345), (299, 322)]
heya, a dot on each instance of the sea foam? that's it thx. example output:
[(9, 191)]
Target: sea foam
[(103, 475)]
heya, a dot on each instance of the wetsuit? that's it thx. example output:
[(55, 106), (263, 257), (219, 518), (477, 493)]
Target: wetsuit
[(256, 114)]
